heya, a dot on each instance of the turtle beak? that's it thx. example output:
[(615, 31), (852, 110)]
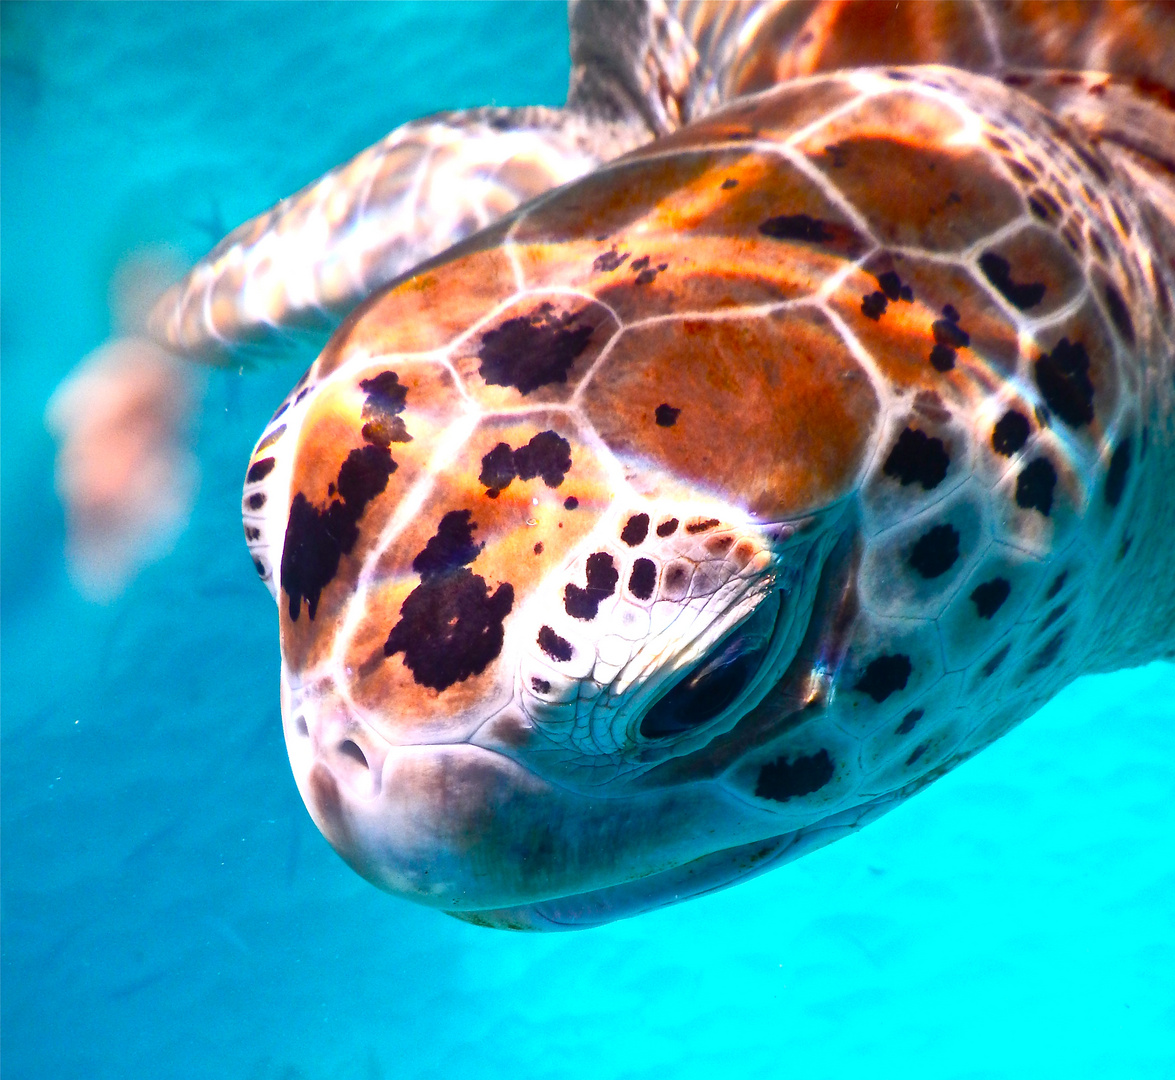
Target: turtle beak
[(412, 819), (468, 830)]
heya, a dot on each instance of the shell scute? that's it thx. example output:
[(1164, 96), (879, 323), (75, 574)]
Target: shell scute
[(775, 414), (534, 350), (907, 165)]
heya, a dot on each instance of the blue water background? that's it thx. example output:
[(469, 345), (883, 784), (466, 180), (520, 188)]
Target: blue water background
[(169, 910)]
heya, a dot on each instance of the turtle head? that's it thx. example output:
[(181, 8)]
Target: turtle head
[(690, 516), (543, 579)]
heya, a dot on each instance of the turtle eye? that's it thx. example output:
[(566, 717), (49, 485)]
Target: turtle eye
[(715, 683)]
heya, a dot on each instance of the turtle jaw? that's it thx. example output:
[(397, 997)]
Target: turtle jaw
[(466, 829)]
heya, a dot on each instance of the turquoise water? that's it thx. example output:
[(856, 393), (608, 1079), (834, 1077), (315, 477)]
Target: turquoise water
[(168, 908)]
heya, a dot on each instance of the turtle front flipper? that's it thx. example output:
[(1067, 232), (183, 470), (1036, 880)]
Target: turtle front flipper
[(312, 257)]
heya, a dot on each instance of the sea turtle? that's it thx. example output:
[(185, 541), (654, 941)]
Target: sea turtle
[(699, 511)]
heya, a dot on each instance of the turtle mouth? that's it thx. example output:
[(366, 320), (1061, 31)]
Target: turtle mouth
[(472, 831)]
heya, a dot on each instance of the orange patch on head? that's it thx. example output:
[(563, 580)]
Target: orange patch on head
[(769, 412)]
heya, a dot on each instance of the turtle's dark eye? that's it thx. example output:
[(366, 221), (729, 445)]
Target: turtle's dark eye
[(718, 679)]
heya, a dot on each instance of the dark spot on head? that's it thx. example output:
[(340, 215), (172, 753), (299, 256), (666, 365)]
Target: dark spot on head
[(936, 551), (1057, 585), (609, 261), (532, 350), (538, 548), (1048, 653), (942, 358), (1119, 313), (257, 500), (1010, 433), (548, 455), (301, 394), (1063, 378), (989, 669), (1117, 472), (602, 576), (316, 539), (700, 526), (1019, 170), (540, 686), (909, 720), (873, 306), (947, 330), (643, 579), (666, 415), (949, 337), (998, 271), (385, 401), (452, 547), (919, 750), (989, 597), (1124, 547), (885, 675), (781, 779), (497, 469), (917, 457), (450, 627), (891, 285), (1034, 486), (252, 533), (259, 470), (667, 528), (719, 545), (675, 577), (570, 503), (796, 227), (259, 566), (553, 645), (635, 530), (728, 183), (637, 265)]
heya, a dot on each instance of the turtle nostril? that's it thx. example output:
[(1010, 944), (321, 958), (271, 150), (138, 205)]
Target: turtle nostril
[(350, 749)]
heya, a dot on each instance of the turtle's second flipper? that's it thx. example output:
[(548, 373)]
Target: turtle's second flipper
[(316, 254)]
